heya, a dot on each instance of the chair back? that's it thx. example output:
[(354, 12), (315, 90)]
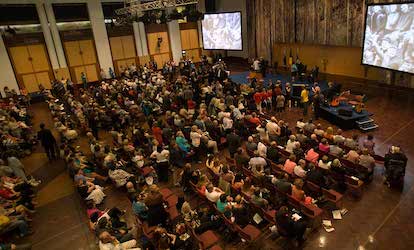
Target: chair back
[(293, 201), (313, 187)]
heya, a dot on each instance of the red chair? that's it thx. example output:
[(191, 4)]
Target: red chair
[(314, 213), (166, 192), (206, 239), (172, 200), (249, 233), (333, 197)]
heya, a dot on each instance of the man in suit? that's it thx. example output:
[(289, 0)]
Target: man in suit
[(48, 141), (234, 142)]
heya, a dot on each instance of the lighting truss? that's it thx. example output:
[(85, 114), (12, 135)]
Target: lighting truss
[(136, 6)]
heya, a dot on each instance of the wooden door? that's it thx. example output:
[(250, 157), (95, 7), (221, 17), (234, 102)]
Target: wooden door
[(30, 82), (87, 49), (91, 73), (38, 57), (21, 59), (31, 65), (116, 48), (77, 71), (128, 45), (73, 54), (44, 79)]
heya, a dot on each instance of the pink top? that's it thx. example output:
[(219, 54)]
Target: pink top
[(312, 156), (94, 210), (324, 148), (289, 166)]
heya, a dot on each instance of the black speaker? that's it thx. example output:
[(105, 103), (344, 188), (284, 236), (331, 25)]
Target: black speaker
[(210, 6), (345, 112)]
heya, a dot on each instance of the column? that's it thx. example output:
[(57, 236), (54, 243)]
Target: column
[(137, 36), (100, 36), (143, 36), (55, 35), (175, 40), (7, 77), (47, 35), (201, 6)]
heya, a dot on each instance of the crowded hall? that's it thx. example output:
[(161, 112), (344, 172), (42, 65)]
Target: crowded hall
[(206, 124)]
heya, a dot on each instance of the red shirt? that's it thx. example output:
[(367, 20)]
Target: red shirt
[(289, 166), (255, 120), (191, 104), (157, 132), (258, 97)]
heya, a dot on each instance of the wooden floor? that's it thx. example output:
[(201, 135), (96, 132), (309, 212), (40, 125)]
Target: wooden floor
[(381, 220)]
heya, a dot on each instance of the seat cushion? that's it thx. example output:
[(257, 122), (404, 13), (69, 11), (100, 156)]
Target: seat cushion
[(208, 238), (252, 231)]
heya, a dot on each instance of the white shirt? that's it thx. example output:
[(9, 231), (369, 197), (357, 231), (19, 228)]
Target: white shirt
[(299, 171), (290, 145), (214, 196), (227, 123), (272, 128), (195, 139), (262, 149), (162, 156), (256, 65), (324, 165)]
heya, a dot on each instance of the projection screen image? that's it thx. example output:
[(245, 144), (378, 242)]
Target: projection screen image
[(222, 31), (389, 37)]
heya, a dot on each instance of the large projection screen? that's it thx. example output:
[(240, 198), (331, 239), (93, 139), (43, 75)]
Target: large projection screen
[(389, 37), (222, 31)]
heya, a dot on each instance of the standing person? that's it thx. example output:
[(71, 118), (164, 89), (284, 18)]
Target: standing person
[(234, 142), (317, 101), (84, 80), (94, 124), (288, 98), (48, 141), (162, 157), (304, 99)]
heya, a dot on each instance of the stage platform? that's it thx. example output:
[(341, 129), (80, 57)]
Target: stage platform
[(332, 115)]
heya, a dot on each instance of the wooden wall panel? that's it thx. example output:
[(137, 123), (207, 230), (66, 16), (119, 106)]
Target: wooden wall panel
[(193, 34), (72, 53), (44, 79), (77, 73), (144, 60), (160, 59), (128, 45), (39, 57), (20, 57), (337, 31), (185, 39), (88, 51), (327, 22), (116, 48), (91, 73), (356, 21), (30, 83)]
